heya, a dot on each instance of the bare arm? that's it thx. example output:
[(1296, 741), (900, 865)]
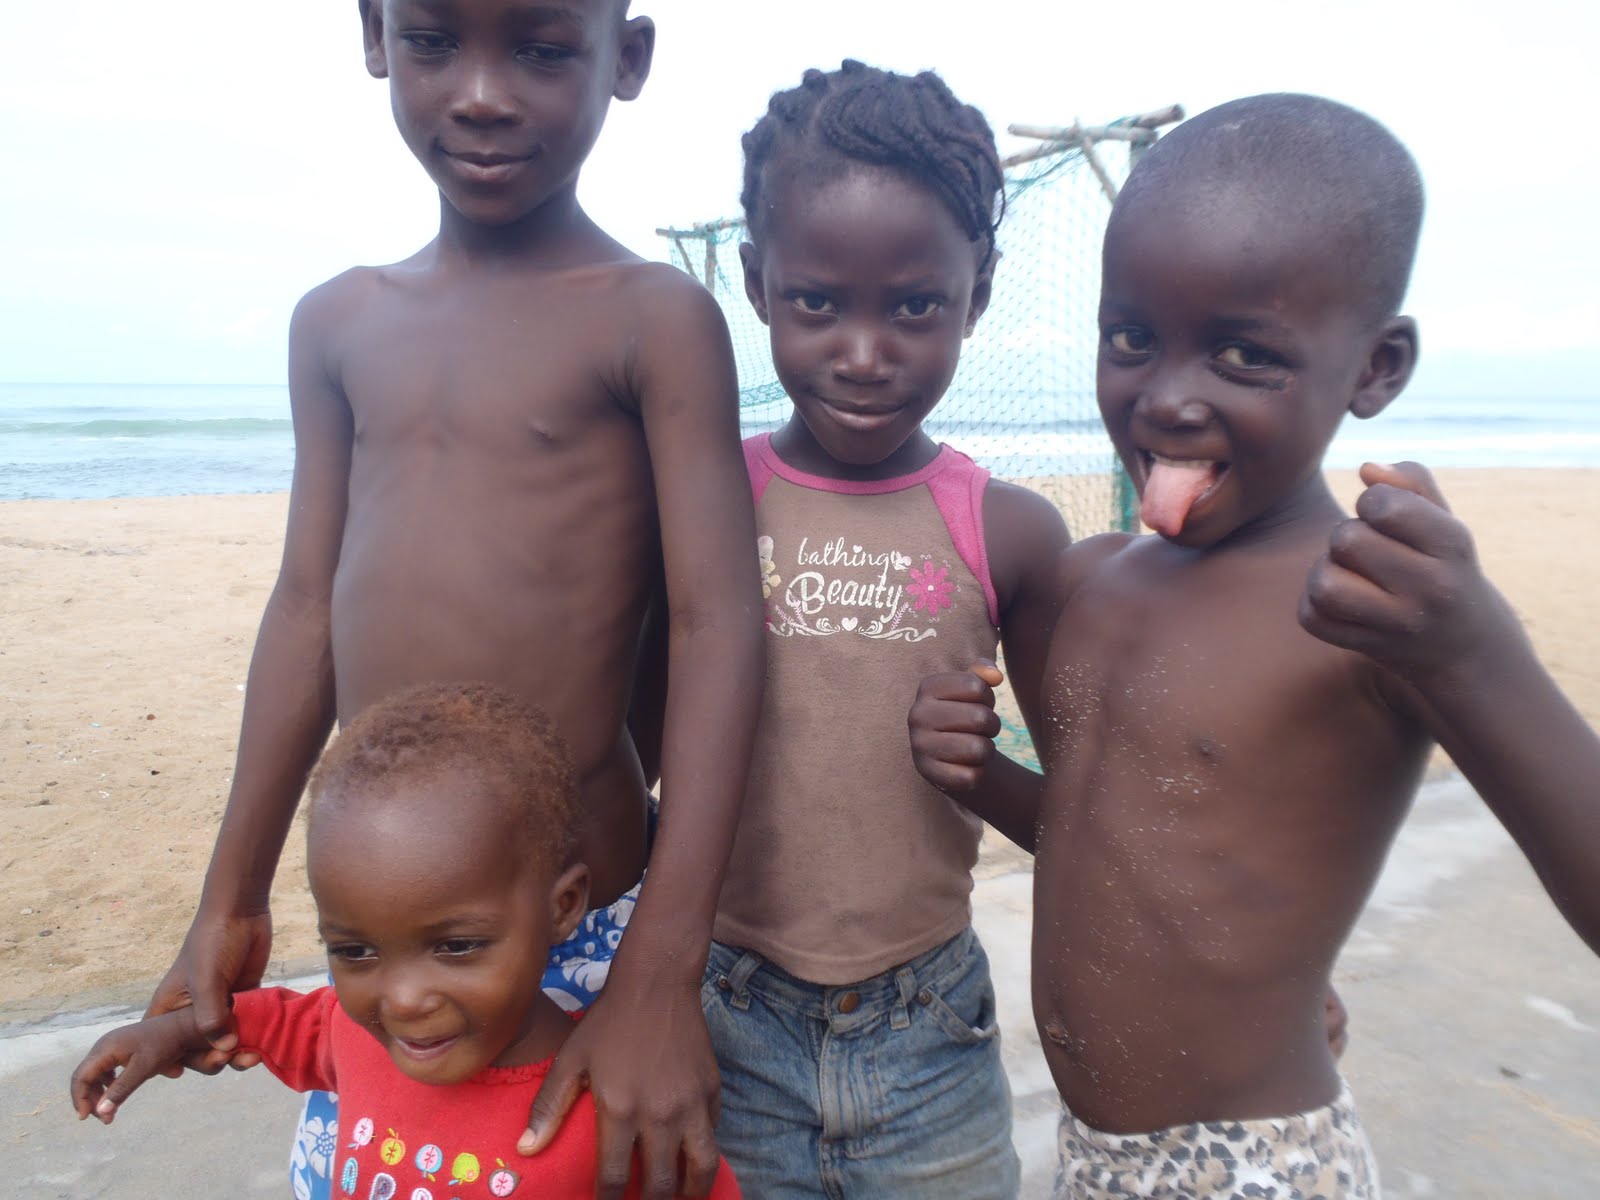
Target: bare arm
[(289, 700), (647, 707), (125, 1058), (953, 725), (1401, 584), (644, 1047), (953, 721)]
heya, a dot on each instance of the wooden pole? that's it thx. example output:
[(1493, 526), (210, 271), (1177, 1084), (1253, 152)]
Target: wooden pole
[(1107, 184), (1043, 150), (704, 229), (1137, 131), (1071, 133), (707, 232), (1169, 115), (683, 253)]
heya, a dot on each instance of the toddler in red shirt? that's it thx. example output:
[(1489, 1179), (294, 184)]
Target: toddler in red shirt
[(441, 829)]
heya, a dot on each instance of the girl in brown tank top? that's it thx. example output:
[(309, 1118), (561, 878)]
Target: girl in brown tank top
[(849, 1002)]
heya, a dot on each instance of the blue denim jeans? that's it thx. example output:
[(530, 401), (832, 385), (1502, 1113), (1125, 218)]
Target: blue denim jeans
[(890, 1087)]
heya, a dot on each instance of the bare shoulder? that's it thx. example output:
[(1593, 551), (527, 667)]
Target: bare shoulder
[(325, 307), (1009, 502), (676, 352), (664, 298), (654, 324), (1082, 560), (1023, 535), (320, 332), (353, 291)]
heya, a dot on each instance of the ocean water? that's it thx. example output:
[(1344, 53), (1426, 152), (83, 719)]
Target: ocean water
[(77, 441), (82, 441)]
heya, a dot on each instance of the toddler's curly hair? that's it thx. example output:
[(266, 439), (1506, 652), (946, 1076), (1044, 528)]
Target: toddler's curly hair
[(508, 748)]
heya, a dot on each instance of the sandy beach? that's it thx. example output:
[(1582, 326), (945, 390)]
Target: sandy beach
[(125, 633)]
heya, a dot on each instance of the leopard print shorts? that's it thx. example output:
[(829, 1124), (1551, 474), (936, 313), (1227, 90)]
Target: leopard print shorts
[(1318, 1155)]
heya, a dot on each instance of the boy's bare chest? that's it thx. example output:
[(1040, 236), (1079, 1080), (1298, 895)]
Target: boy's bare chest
[(1199, 665), (493, 367)]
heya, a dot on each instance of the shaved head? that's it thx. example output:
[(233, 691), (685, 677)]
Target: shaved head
[(1332, 172)]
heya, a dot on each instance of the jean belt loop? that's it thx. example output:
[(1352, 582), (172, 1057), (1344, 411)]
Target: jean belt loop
[(905, 983), (739, 978)]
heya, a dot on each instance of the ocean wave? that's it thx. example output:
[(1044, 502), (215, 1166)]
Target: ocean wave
[(83, 441), (153, 427)]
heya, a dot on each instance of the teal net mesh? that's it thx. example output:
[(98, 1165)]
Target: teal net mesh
[(1022, 403)]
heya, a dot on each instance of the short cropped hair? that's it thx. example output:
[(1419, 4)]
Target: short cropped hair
[(1321, 163), (477, 729), (865, 115)]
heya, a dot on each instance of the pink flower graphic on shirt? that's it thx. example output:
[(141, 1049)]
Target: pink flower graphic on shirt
[(931, 588)]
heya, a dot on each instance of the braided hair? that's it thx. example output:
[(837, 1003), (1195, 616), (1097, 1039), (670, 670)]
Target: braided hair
[(908, 123)]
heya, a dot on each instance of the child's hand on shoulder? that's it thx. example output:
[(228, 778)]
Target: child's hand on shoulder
[(1400, 582), (125, 1058), (953, 726)]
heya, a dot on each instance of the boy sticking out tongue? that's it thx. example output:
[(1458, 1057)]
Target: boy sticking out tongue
[(1171, 488), (1231, 748)]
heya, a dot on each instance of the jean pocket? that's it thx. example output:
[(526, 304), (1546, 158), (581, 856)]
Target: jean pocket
[(716, 994), (966, 1013), (720, 1000)]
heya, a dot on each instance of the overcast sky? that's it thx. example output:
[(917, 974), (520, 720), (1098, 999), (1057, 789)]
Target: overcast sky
[(175, 177)]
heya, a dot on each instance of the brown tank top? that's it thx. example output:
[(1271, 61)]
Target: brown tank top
[(847, 862)]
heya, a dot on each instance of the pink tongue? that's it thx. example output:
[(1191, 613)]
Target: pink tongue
[(1169, 494)]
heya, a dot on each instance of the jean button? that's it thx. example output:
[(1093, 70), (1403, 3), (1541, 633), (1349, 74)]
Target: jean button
[(722, 983), (924, 997), (849, 1002)]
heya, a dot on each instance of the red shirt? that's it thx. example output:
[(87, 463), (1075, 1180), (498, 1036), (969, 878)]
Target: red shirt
[(404, 1140)]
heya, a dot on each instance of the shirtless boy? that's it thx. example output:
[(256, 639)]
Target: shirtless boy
[(499, 445), (1221, 786)]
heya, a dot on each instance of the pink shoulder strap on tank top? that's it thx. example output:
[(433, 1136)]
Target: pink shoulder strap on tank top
[(955, 481), (757, 461), (958, 491)]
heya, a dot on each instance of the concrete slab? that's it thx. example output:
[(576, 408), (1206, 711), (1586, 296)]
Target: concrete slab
[(1475, 1018), (187, 1139), (1475, 1040)]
